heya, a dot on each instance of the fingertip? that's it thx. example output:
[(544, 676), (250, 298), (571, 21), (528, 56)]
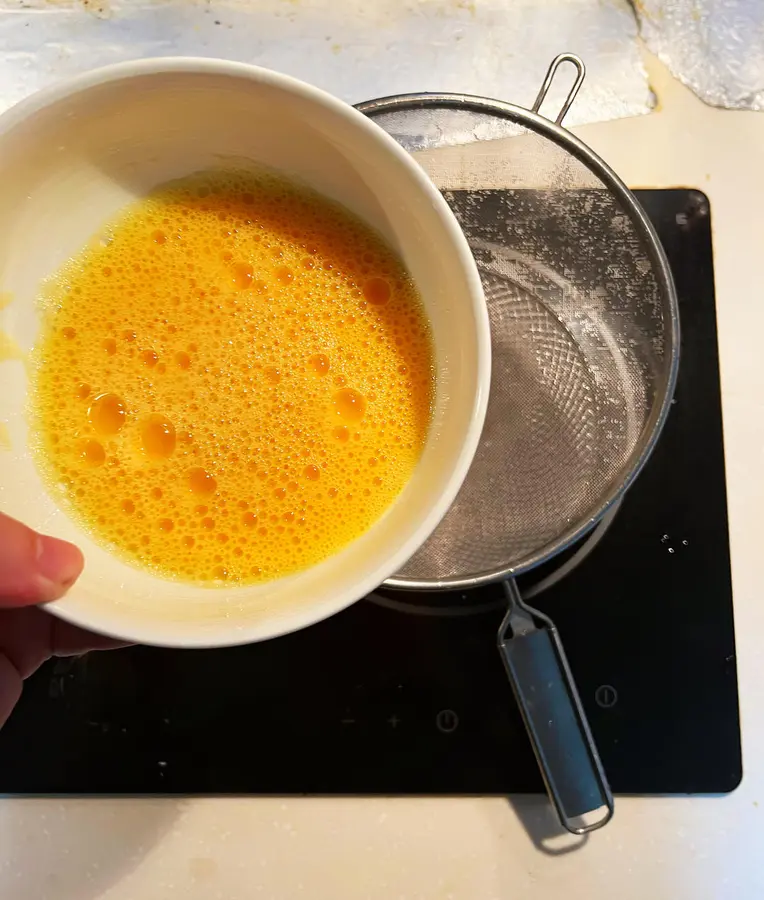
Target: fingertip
[(34, 568), (58, 561)]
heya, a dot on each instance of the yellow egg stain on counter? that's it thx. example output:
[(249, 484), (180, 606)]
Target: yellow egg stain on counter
[(234, 384)]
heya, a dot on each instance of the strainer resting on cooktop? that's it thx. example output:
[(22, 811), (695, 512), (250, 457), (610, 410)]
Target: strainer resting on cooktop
[(584, 326)]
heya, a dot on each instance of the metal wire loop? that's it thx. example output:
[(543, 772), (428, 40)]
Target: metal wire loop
[(578, 63)]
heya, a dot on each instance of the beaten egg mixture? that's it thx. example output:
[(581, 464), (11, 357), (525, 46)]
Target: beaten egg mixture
[(233, 381)]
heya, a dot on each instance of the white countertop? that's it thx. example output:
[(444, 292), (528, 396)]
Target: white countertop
[(473, 849)]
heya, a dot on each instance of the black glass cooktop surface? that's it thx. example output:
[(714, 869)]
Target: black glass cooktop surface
[(406, 693)]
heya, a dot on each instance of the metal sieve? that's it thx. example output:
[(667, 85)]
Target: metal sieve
[(585, 338)]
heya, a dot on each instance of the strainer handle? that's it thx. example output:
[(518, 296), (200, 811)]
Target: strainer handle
[(546, 694)]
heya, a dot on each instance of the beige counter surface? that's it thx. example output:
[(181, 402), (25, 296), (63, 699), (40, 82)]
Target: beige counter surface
[(486, 849)]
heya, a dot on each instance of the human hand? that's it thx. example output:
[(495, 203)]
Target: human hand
[(35, 569)]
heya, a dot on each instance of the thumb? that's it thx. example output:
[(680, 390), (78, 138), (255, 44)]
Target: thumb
[(34, 568)]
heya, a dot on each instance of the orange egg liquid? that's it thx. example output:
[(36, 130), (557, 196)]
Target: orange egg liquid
[(235, 383)]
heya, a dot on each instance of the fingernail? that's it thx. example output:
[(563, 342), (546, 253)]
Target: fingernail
[(58, 561)]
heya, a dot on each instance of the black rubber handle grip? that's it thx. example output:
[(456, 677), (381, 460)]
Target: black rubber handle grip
[(562, 741)]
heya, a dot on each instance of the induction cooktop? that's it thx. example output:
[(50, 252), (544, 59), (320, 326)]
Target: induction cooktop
[(405, 693)]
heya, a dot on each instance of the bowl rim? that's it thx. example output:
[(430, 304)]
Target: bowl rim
[(270, 626)]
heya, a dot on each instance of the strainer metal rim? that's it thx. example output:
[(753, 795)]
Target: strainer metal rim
[(654, 426)]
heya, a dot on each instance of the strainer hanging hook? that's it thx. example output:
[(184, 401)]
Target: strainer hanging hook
[(580, 68)]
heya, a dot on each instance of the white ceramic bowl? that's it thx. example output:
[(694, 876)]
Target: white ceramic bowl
[(71, 156)]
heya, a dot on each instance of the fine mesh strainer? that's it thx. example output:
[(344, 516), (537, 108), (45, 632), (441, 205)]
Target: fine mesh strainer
[(585, 337)]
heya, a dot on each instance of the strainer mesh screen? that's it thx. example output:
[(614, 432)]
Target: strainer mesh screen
[(579, 336)]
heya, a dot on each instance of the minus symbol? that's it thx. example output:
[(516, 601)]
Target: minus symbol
[(348, 721)]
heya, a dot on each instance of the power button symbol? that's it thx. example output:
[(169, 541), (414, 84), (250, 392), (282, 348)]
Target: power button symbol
[(606, 696), (447, 721)]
